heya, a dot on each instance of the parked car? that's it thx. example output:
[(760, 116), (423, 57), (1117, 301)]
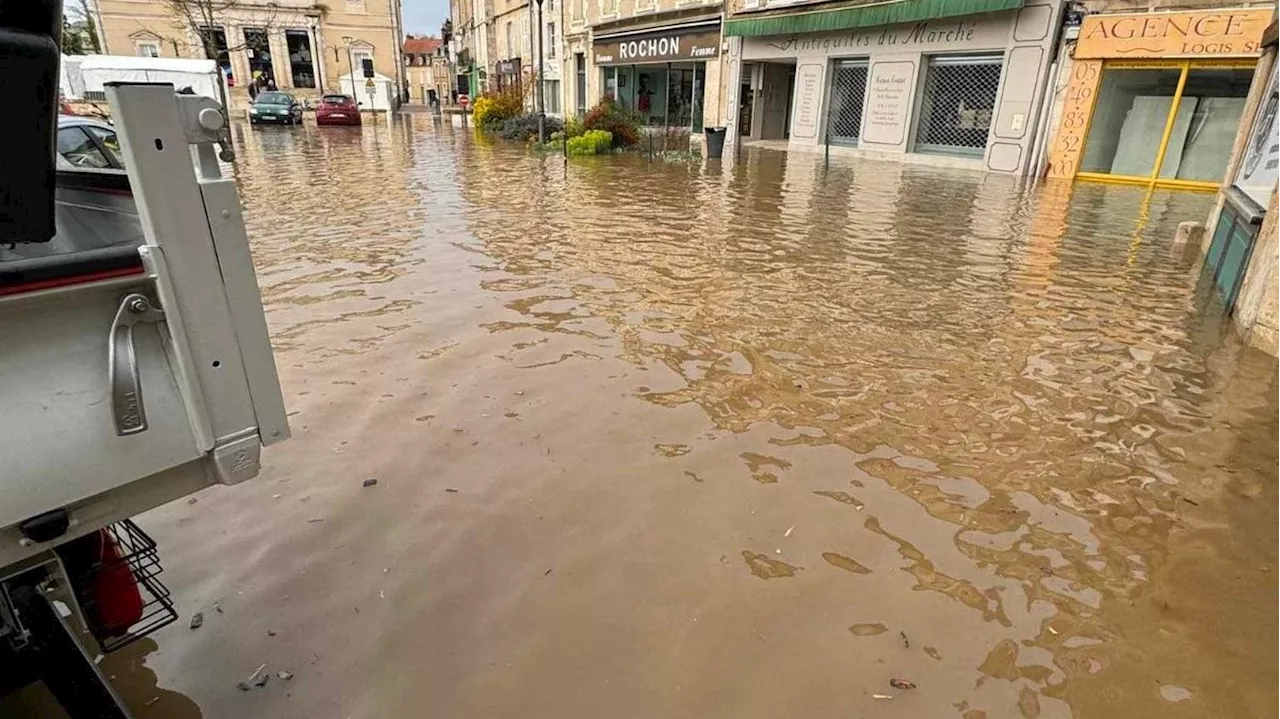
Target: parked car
[(275, 107), (86, 143), (337, 110)]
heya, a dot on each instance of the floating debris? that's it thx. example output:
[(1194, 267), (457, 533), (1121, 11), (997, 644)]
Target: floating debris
[(316, 519), (787, 533), (258, 678), (450, 489), (902, 684), (881, 696), (192, 500), (150, 701), (197, 620), (1174, 693), (906, 643), (765, 568), (284, 676), (369, 483), (846, 563), (867, 630)]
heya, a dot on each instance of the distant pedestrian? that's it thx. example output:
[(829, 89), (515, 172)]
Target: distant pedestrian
[(271, 84), (253, 90)]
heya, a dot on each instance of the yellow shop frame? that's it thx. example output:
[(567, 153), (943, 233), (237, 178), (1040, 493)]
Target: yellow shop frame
[(1153, 180)]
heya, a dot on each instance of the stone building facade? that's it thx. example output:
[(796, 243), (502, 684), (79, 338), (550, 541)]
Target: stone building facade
[(660, 58), (428, 72), (957, 84), (305, 46)]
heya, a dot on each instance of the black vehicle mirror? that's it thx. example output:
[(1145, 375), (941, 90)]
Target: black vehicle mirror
[(29, 75)]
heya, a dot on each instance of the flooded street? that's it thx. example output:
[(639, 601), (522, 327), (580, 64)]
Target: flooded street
[(664, 440)]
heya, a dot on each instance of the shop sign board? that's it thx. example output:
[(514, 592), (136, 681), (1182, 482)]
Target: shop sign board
[(1206, 33), (701, 43)]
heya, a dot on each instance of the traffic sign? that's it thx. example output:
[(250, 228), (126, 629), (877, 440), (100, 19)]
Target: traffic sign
[(463, 100)]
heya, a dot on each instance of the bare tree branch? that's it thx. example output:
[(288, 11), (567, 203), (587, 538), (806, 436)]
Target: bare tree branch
[(199, 17)]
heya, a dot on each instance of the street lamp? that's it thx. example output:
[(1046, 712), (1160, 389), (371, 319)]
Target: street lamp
[(351, 66), (542, 108)]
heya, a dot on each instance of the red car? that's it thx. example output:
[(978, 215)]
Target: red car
[(337, 110)]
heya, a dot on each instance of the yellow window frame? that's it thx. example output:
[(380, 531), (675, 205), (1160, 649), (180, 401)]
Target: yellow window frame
[(1153, 180)]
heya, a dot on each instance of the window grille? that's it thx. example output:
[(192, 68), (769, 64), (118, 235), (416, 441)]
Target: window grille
[(958, 104)]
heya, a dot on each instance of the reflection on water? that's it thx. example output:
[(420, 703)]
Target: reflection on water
[(1039, 468)]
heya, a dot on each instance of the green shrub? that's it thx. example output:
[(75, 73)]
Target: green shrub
[(591, 142), (622, 124), (493, 108), (573, 126)]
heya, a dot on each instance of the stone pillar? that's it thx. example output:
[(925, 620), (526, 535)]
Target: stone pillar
[(1258, 90), (1257, 308)]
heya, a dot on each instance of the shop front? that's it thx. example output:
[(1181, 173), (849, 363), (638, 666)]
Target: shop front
[(1156, 98), (963, 90), (660, 73)]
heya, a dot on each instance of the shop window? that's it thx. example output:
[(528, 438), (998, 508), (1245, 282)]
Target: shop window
[(300, 65), (259, 52), (957, 104), (848, 94), (610, 83), (1179, 115), (216, 40)]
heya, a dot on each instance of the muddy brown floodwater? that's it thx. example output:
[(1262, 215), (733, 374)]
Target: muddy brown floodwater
[(661, 440)]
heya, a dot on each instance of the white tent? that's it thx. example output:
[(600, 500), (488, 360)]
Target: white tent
[(202, 76), (383, 91)]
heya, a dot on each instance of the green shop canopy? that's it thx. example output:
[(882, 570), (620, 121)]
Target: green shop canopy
[(854, 16)]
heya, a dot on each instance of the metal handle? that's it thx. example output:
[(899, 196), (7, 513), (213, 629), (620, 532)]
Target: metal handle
[(122, 363)]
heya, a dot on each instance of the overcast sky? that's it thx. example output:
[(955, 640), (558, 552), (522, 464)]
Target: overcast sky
[(423, 17)]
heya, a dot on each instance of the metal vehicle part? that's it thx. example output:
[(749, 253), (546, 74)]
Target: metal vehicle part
[(137, 374)]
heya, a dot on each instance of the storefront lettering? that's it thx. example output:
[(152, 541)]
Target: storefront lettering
[(653, 47), (700, 44), (1153, 26), (920, 33), (1163, 34)]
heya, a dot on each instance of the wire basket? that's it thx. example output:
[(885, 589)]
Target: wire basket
[(137, 551)]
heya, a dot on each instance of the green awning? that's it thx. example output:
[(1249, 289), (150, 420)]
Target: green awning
[(845, 18)]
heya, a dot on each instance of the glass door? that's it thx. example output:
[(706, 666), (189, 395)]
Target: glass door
[(1165, 123)]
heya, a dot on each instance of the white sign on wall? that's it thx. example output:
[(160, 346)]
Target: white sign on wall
[(808, 100), (889, 92), (1259, 167)]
